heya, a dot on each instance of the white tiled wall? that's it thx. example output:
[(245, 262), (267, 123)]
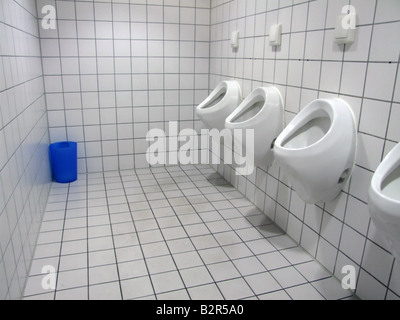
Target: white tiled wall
[(309, 65), (24, 165), (115, 69)]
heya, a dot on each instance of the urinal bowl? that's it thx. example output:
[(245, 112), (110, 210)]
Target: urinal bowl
[(317, 150), (220, 104), (384, 200), (262, 111)]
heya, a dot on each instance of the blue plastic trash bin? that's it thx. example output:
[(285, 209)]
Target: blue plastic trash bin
[(64, 161)]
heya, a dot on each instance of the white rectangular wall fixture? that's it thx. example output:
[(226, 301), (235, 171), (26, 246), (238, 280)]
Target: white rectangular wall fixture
[(275, 35), (235, 40), (345, 32)]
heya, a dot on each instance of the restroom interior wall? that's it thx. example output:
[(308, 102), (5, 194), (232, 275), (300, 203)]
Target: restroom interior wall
[(24, 165), (309, 65), (114, 70)]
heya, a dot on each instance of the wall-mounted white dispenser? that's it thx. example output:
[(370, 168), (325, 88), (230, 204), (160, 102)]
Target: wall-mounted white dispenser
[(275, 35), (345, 31), (235, 40)]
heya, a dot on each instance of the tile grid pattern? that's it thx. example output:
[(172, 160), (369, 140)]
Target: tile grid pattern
[(24, 136), (105, 58), (308, 66), (168, 233)]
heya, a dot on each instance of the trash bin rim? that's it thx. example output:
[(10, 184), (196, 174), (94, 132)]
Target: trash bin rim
[(63, 145)]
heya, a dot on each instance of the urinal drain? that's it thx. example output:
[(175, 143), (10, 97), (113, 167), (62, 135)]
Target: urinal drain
[(273, 143), (344, 176)]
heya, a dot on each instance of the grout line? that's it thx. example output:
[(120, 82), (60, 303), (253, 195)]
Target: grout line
[(61, 244), (113, 241), (98, 92), (139, 241)]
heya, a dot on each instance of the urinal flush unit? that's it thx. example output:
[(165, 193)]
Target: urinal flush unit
[(317, 150), (262, 111), (384, 200), (220, 104)]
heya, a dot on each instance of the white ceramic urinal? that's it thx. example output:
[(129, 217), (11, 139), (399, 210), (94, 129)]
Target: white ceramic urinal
[(317, 150), (220, 104), (262, 111), (384, 200)]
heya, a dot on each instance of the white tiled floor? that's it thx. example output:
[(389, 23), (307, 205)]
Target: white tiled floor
[(168, 233)]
